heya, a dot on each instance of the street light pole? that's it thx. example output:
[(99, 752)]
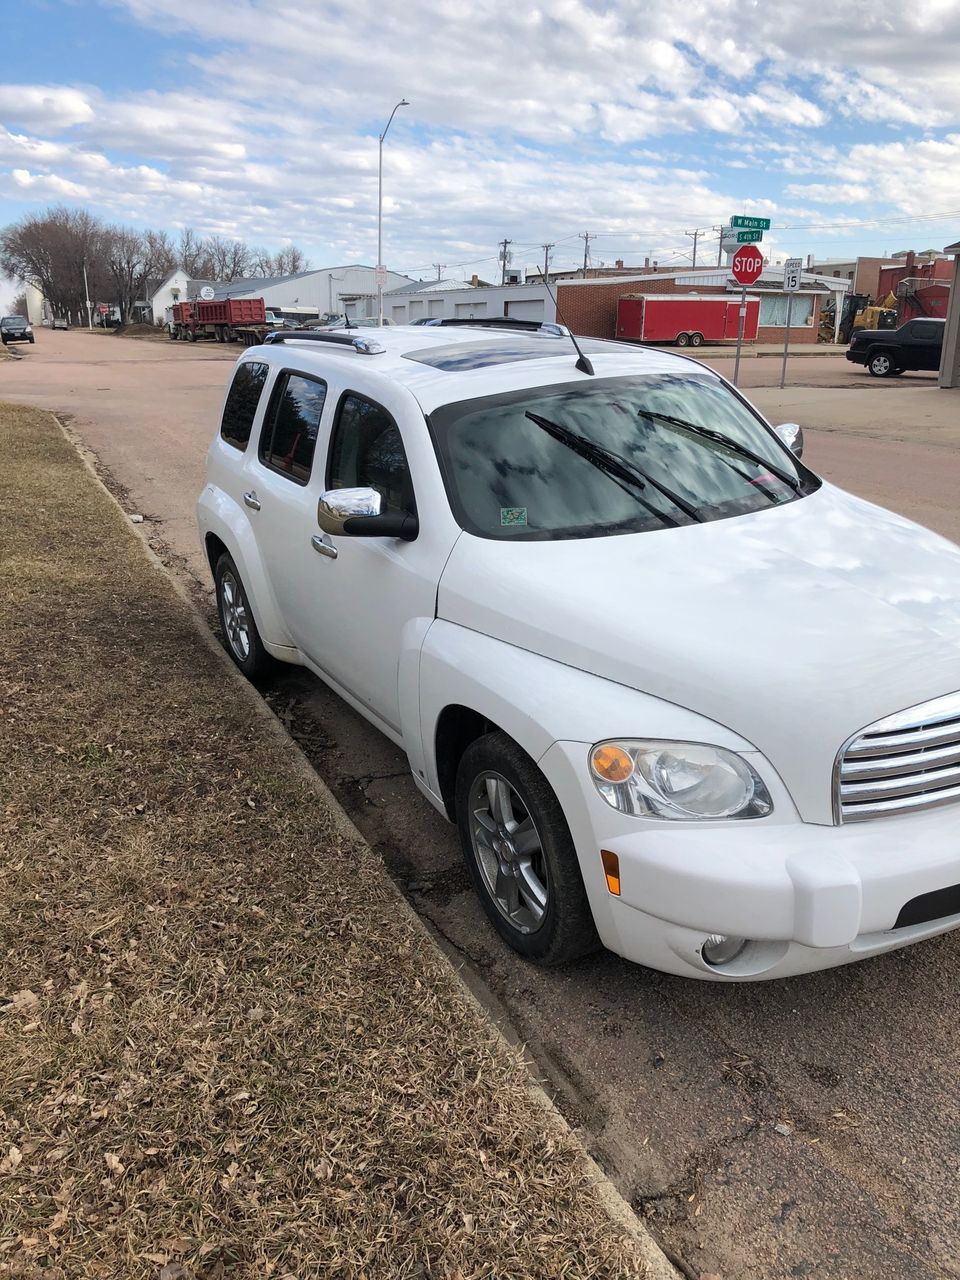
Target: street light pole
[(380, 272), (86, 293)]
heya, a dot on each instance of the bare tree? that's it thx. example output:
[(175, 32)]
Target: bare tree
[(285, 262), (193, 255), (231, 259), (49, 250), (19, 306), (138, 261)]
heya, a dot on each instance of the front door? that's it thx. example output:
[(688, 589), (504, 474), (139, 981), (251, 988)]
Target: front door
[(363, 604)]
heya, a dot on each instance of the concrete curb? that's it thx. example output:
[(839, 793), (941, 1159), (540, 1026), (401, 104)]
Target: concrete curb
[(658, 1264)]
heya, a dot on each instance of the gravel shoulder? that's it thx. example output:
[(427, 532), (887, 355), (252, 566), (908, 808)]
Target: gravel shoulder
[(227, 1047)]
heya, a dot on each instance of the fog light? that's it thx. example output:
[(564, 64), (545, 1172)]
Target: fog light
[(718, 949)]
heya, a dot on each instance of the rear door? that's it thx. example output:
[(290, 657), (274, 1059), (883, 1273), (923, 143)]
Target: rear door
[(927, 341)]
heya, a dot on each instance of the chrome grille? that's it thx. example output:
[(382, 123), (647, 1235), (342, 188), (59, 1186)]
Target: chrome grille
[(906, 762)]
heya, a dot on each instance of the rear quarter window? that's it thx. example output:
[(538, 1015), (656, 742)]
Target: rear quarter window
[(243, 399)]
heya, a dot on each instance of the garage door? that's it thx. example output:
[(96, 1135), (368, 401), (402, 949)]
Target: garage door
[(527, 309), (469, 310), (435, 306)]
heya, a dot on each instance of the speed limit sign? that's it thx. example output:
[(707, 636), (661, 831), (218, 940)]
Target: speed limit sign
[(792, 271)]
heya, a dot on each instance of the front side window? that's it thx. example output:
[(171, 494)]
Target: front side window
[(610, 456), (367, 452), (289, 436), (242, 401)]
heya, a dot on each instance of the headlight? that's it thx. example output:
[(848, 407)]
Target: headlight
[(679, 780)]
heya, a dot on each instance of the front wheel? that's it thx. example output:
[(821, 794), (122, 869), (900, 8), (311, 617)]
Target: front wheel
[(519, 853), (240, 635), (881, 365), (683, 339)]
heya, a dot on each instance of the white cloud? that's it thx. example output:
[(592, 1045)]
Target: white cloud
[(43, 106)]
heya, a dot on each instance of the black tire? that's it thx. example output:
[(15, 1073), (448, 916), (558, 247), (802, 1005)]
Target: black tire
[(565, 930), (683, 339), (696, 339), (191, 335), (880, 364), (251, 657)]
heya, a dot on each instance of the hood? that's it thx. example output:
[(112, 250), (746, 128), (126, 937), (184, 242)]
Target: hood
[(795, 627)]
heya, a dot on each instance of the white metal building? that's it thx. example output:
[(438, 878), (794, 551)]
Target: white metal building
[(451, 299), (350, 290)]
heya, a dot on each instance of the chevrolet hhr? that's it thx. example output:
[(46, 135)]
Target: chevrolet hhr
[(682, 697)]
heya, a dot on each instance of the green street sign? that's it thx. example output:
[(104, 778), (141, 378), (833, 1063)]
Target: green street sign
[(754, 224), (748, 237)]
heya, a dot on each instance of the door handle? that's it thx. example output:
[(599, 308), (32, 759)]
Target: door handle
[(252, 500), (325, 548)]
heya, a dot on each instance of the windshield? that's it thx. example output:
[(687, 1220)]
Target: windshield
[(610, 456), (12, 322)]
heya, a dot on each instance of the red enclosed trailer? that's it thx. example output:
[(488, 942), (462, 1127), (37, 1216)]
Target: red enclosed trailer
[(687, 319)]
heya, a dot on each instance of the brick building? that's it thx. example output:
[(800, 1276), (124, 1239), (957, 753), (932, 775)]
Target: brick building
[(589, 307)]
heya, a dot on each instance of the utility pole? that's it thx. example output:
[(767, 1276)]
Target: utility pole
[(439, 266), (694, 235), (503, 259), (546, 258), (719, 231), (586, 237)]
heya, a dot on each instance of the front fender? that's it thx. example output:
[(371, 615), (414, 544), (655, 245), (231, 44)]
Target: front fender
[(539, 701), (219, 515)]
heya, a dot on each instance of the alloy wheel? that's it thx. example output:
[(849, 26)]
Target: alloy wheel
[(509, 851), (236, 623)]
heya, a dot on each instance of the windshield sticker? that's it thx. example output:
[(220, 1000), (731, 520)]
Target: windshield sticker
[(513, 516)]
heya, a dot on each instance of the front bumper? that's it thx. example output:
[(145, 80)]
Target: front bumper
[(807, 896)]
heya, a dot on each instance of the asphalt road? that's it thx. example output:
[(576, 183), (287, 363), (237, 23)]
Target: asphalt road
[(801, 1128)]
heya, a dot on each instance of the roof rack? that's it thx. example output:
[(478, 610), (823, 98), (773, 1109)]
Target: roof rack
[(501, 322), (365, 346)]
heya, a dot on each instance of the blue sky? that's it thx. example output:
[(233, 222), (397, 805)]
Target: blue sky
[(636, 122)]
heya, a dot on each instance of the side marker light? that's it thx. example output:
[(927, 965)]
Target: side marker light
[(611, 869)]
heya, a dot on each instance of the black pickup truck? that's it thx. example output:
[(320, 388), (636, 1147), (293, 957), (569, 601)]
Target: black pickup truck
[(887, 352)]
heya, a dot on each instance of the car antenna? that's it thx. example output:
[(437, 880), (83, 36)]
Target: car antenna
[(583, 364)]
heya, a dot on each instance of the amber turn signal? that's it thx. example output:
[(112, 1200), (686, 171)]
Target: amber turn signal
[(611, 763), (611, 869)]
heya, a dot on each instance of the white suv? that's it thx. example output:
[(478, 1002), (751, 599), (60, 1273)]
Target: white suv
[(678, 693)]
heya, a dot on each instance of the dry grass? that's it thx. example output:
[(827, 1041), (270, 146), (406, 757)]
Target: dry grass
[(225, 1048)]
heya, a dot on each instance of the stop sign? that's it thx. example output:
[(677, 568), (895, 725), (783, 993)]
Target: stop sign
[(747, 264)]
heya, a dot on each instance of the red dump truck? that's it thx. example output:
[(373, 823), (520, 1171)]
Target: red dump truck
[(225, 319), (686, 319)]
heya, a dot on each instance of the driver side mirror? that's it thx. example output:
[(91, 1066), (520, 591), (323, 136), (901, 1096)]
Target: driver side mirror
[(358, 513), (791, 434)]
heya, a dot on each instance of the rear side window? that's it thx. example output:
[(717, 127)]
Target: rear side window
[(367, 452), (924, 329), (289, 436), (242, 400)]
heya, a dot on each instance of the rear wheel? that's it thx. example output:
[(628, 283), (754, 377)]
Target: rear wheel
[(696, 339), (683, 339), (881, 364), (240, 635), (520, 855)]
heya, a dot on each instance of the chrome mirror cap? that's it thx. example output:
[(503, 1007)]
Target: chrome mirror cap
[(337, 505), (791, 433)]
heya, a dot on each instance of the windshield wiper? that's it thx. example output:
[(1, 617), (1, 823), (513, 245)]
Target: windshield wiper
[(608, 462), (733, 445)]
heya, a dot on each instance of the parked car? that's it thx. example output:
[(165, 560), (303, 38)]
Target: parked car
[(679, 694), (15, 329), (58, 322), (917, 344)]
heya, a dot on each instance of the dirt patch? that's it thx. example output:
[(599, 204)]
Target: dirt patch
[(226, 1049), (140, 331)]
